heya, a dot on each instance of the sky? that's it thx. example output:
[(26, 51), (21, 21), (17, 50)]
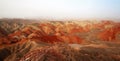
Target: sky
[(103, 9)]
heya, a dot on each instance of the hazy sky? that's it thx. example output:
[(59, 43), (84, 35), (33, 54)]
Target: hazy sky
[(60, 9)]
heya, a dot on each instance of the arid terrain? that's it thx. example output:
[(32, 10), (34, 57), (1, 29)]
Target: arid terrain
[(46, 40)]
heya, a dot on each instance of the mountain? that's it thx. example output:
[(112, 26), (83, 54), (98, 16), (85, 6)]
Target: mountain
[(20, 36)]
